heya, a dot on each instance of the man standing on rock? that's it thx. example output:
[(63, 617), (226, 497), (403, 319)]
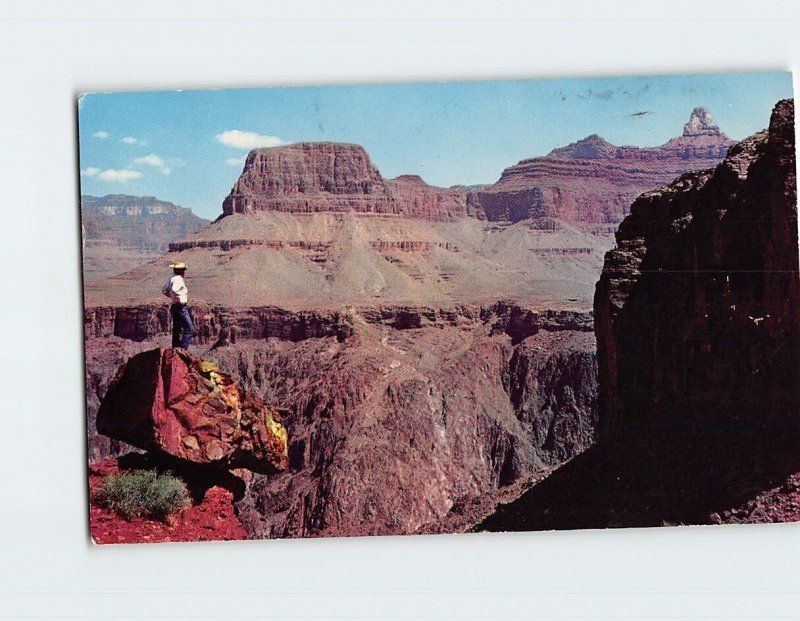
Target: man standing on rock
[(175, 289)]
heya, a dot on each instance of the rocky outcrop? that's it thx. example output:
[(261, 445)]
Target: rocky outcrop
[(698, 330), (314, 177), (170, 402), (698, 308), (592, 182), (701, 124)]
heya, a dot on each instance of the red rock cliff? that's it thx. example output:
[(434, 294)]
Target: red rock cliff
[(327, 176), (395, 426)]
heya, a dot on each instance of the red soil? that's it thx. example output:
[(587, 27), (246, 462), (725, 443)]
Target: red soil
[(211, 520)]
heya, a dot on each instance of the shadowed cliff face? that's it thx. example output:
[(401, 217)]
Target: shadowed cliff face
[(698, 329), (414, 415)]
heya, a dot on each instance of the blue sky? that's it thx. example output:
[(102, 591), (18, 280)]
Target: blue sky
[(188, 147)]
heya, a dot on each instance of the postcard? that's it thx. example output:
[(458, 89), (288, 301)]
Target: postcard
[(396, 309)]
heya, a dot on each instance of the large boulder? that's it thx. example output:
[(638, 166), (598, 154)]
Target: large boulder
[(169, 401)]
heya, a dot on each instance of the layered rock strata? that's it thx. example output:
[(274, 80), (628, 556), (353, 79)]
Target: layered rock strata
[(120, 231), (215, 325), (411, 392), (592, 182), (327, 176)]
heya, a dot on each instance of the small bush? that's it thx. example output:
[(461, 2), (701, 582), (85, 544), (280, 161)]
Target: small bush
[(143, 493)]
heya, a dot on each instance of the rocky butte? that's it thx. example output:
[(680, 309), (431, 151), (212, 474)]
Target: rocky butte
[(432, 348), (697, 317), (311, 177), (315, 225)]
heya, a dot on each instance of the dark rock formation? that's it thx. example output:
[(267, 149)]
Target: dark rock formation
[(312, 177), (170, 402), (698, 329), (698, 308), (592, 182)]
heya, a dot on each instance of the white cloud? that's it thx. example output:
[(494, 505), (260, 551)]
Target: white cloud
[(155, 161), (90, 171), (130, 140), (101, 135), (235, 161), (119, 176), (247, 140)]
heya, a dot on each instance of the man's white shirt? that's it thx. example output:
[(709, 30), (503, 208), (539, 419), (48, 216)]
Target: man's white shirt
[(175, 289)]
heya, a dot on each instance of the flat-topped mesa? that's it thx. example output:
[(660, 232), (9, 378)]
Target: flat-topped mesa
[(592, 182), (311, 177), (120, 231)]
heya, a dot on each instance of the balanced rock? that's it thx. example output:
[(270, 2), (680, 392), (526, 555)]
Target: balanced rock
[(169, 401)]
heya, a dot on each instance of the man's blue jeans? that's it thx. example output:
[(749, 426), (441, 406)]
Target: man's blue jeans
[(182, 326)]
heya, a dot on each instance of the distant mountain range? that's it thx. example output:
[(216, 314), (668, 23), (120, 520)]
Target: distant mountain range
[(121, 231)]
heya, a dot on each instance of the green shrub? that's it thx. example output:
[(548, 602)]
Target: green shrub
[(143, 493)]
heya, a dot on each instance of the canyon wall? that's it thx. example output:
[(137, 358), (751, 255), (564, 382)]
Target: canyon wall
[(414, 398), (590, 182), (697, 317), (402, 420), (698, 310)]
